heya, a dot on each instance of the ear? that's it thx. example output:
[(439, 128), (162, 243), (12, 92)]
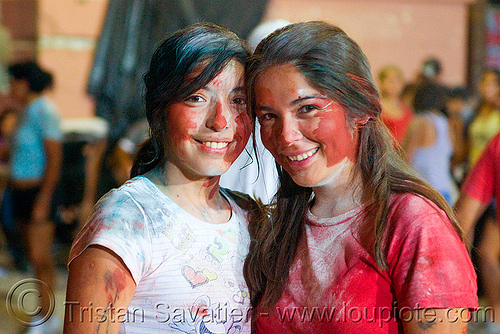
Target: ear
[(360, 122)]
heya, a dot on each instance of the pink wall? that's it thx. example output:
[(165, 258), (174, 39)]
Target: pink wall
[(67, 34), (403, 32)]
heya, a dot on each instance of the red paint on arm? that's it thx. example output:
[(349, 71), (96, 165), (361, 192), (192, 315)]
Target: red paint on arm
[(115, 284)]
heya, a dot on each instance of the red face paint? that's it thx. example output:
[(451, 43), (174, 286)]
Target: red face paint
[(333, 132), (243, 131), (181, 123), (306, 131), (220, 121), (207, 130)]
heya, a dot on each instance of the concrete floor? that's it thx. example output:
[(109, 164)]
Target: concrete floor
[(10, 278)]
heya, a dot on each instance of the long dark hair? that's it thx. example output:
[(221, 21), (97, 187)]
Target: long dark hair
[(335, 65), (202, 47)]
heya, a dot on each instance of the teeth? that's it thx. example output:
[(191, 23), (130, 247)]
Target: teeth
[(214, 144), (303, 156)]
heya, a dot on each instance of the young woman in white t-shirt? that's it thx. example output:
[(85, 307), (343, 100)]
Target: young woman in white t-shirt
[(164, 253)]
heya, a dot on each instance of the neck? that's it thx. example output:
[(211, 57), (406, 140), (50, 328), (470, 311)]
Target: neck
[(32, 97), (339, 196), (200, 197), (390, 98)]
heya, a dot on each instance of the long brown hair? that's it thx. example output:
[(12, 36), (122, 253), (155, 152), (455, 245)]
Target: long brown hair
[(335, 65)]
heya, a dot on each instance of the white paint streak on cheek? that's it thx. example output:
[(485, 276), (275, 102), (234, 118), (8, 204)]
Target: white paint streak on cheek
[(340, 167)]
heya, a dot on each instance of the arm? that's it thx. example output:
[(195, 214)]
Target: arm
[(436, 321), (100, 288), (468, 211), (415, 136), (458, 141), (53, 152), (94, 153)]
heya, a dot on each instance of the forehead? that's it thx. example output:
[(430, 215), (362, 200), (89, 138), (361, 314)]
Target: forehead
[(233, 69), (283, 78)]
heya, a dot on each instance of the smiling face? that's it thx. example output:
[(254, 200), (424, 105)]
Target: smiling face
[(306, 131), (209, 129)]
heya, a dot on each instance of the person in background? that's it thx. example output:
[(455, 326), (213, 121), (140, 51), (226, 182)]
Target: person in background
[(455, 106), (35, 163), (485, 123), (482, 230), (9, 118), (428, 144), (170, 240), (481, 186), (353, 229), (396, 114)]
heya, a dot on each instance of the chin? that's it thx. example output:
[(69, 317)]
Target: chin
[(215, 171), (304, 181)]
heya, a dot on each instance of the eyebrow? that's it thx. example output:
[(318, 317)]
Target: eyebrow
[(238, 89), (235, 90), (309, 97), (294, 102)]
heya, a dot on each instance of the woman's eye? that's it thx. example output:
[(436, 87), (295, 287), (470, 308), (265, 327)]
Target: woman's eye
[(266, 118), (240, 101), (195, 99), (307, 108)]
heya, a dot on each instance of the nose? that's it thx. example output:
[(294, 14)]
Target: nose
[(289, 132), (218, 120)]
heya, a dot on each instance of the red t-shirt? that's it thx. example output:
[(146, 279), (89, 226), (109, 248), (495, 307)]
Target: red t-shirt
[(344, 291), (398, 126), (483, 181)]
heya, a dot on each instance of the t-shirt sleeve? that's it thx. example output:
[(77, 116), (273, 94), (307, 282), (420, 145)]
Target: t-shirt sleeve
[(428, 263), (479, 182), (119, 224), (50, 123)]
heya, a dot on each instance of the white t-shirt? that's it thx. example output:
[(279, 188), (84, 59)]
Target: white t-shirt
[(189, 273)]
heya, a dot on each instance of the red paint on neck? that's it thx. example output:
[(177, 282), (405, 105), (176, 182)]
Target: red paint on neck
[(212, 183)]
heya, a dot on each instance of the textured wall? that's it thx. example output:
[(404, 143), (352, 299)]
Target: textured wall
[(402, 32), (62, 34)]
